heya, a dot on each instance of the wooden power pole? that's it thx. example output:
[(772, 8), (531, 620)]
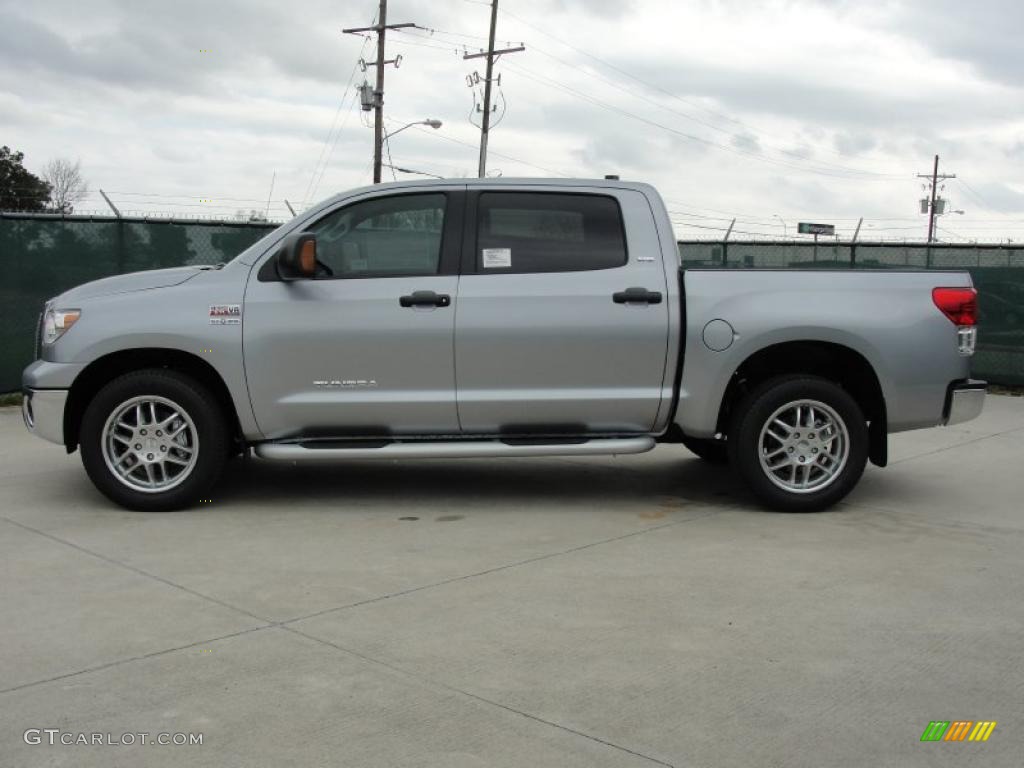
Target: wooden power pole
[(381, 28), (935, 179), (491, 54)]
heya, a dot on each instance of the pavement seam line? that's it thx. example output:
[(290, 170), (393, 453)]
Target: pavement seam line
[(269, 624), (140, 657), (498, 568), (474, 696), (138, 571)]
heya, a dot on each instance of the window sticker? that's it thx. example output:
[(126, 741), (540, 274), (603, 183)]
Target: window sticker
[(495, 258)]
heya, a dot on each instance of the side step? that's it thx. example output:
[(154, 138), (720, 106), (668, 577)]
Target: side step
[(450, 449)]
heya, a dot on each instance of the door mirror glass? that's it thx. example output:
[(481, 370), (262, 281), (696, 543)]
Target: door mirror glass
[(297, 258)]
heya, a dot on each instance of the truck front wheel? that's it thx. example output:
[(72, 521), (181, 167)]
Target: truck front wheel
[(154, 440), (800, 442)]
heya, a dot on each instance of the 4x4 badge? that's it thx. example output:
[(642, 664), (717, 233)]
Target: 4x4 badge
[(225, 314)]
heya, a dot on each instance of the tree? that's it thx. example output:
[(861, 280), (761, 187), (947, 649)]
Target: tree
[(67, 186), (20, 190)]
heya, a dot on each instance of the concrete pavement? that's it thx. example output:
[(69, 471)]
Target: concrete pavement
[(627, 611)]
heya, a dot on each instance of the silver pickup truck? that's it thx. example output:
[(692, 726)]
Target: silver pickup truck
[(498, 318)]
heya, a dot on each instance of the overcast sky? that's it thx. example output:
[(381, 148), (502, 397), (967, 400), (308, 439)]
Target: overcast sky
[(773, 112)]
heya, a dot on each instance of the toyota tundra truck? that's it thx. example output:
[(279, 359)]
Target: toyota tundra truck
[(495, 318)]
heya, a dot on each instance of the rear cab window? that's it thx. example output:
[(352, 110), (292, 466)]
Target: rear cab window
[(524, 232)]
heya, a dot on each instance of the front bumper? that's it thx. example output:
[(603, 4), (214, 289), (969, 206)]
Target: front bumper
[(964, 401), (43, 411)]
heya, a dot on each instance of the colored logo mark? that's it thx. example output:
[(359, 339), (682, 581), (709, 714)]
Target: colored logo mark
[(958, 730)]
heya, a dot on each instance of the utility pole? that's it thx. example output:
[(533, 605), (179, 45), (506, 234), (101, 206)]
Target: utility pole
[(381, 28), (491, 54), (935, 178)]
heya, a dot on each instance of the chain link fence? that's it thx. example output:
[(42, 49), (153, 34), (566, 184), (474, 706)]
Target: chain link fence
[(997, 271), (42, 255)]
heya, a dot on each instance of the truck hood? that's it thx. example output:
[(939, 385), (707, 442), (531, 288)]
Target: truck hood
[(133, 281)]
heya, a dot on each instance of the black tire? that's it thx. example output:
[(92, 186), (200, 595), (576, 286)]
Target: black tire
[(712, 451), (745, 443), (208, 426)]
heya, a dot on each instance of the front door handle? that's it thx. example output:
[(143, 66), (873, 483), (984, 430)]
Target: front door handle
[(637, 296), (425, 299)]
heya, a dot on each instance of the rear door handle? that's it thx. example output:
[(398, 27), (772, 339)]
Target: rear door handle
[(637, 296), (425, 299)]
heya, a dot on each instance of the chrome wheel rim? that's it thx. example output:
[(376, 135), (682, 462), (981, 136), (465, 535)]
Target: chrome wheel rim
[(150, 444), (804, 446)]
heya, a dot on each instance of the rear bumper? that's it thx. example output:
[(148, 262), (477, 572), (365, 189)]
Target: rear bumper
[(964, 401), (43, 412)]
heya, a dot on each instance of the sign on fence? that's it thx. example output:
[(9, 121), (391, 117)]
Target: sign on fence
[(806, 228)]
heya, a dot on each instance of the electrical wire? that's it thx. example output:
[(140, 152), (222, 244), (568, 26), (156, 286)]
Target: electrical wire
[(637, 79), (984, 203), (632, 92), (325, 154), (438, 134), (387, 146), (691, 137)]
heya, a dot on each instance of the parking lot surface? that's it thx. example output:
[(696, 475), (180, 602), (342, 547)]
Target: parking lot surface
[(627, 611)]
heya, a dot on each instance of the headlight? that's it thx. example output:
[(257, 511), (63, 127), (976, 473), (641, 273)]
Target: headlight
[(56, 323)]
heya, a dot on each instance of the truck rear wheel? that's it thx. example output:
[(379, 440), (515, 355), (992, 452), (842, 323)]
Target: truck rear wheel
[(154, 440), (800, 442)]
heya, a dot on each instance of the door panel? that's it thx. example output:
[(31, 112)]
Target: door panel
[(360, 353), (554, 351)]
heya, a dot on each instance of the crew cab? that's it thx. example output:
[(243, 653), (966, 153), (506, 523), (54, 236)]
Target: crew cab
[(498, 318)]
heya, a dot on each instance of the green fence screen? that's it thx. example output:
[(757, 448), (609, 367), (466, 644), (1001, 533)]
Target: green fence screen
[(41, 256), (997, 271)]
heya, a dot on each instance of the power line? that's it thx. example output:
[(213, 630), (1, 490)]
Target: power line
[(974, 193), (731, 134), (324, 156), (815, 164), (439, 134), (637, 79), (692, 137), (330, 154)]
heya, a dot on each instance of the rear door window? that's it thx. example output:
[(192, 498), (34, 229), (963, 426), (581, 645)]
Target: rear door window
[(522, 232)]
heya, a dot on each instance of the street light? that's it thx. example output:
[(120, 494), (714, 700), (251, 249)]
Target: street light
[(435, 124), (400, 169)]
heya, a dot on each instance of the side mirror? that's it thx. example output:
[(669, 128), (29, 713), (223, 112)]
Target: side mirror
[(297, 258)]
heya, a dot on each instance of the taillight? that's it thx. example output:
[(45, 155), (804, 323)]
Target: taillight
[(960, 305)]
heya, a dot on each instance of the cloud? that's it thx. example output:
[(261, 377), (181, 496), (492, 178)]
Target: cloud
[(824, 107), (984, 36), (746, 142), (854, 143)]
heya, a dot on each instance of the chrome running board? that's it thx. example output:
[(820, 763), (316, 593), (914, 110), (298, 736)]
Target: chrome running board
[(449, 449)]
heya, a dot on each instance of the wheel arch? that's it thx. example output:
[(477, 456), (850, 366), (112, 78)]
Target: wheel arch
[(105, 369), (838, 363)]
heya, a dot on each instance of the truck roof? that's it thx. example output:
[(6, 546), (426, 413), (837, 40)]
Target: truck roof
[(500, 181)]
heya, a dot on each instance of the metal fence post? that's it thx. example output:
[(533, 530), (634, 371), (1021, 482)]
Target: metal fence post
[(119, 244)]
